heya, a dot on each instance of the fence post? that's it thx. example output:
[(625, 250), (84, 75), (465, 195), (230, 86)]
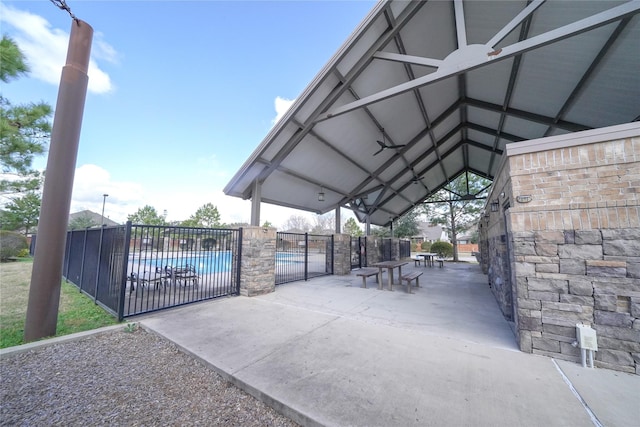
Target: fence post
[(65, 271), (125, 267), (366, 250), (238, 261), (95, 295), (306, 256), (333, 254), (84, 251)]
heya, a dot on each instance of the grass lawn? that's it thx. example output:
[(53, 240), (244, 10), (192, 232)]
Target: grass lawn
[(76, 312)]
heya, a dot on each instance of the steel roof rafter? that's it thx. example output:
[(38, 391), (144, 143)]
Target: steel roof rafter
[(419, 136), (493, 132), (526, 115), (513, 76), (552, 36), (577, 90), (337, 91), (425, 155)]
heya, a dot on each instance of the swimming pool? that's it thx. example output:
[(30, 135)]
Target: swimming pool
[(208, 262)]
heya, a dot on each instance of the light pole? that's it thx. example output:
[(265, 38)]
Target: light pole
[(104, 199)]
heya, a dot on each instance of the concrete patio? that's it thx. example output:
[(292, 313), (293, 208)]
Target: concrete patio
[(328, 352)]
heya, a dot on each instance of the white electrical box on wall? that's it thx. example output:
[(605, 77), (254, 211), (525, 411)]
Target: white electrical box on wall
[(586, 337)]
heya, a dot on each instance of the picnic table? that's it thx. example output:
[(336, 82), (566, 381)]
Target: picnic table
[(428, 258), (390, 265)]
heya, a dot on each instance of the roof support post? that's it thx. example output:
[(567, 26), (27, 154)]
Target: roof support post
[(338, 220), (256, 198)]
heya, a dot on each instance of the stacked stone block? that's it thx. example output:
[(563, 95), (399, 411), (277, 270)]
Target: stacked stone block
[(258, 262), (575, 245), (374, 250), (341, 254)]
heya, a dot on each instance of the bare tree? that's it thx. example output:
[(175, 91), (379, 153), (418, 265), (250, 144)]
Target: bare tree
[(297, 223), (324, 224)]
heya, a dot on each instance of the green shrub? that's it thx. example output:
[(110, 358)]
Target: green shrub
[(23, 253), (443, 249), (426, 246), (11, 244)]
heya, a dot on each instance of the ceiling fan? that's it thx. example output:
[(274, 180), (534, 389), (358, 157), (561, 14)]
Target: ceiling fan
[(383, 144)]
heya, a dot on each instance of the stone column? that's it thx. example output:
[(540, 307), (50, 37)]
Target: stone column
[(374, 248), (341, 254), (258, 263)]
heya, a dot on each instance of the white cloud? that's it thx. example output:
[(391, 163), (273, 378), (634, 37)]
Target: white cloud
[(45, 49), (89, 185), (179, 200), (282, 106)]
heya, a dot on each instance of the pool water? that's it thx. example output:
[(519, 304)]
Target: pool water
[(211, 262)]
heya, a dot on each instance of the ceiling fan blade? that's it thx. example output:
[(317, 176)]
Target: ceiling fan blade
[(379, 151), (382, 144), (396, 146)]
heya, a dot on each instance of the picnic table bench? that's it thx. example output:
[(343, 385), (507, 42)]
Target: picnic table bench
[(366, 272), (414, 275)]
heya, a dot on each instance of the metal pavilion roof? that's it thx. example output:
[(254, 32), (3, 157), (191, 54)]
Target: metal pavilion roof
[(452, 82)]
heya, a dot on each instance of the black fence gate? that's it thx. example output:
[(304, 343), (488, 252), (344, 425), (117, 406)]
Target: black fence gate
[(135, 269), (302, 256), (386, 252), (405, 248), (358, 252)]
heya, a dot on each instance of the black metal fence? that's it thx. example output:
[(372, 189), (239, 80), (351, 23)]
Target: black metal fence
[(385, 250), (405, 248), (358, 252), (95, 261), (303, 256), (135, 269), (171, 266)]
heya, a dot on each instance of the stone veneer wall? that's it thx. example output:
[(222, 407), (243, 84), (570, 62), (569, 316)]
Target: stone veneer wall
[(575, 246), (258, 262), (374, 250), (341, 254)]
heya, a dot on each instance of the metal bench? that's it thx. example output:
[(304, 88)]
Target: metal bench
[(366, 272), (440, 262), (414, 275)]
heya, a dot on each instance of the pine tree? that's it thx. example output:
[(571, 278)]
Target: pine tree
[(24, 129)]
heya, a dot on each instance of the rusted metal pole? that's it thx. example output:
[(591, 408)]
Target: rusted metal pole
[(44, 294)]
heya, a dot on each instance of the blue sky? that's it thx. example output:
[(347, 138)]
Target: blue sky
[(180, 92)]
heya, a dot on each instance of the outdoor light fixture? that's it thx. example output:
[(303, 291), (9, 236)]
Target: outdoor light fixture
[(495, 205), (321, 195)]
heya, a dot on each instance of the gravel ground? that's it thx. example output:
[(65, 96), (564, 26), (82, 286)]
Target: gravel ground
[(122, 378)]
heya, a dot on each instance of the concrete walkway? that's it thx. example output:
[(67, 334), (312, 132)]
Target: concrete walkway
[(328, 352)]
